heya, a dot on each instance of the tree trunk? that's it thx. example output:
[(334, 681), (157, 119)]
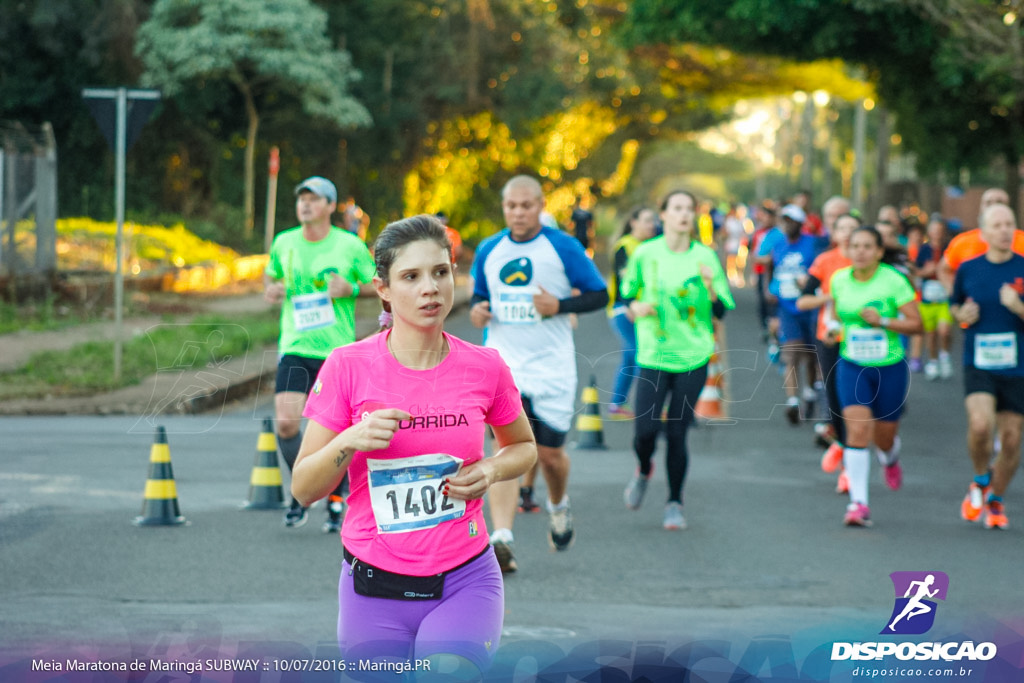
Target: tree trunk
[(250, 161)]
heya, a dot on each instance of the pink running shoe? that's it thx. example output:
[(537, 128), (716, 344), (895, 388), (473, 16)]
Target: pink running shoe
[(857, 514), (894, 476)]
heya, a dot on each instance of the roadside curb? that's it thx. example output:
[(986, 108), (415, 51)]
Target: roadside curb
[(189, 392)]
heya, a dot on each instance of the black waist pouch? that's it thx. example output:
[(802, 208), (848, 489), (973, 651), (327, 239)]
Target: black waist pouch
[(374, 582)]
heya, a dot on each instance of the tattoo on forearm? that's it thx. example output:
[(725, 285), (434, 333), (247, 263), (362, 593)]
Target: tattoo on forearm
[(342, 457)]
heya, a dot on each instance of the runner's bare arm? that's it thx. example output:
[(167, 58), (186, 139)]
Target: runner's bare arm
[(273, 290), (325, 455), (515, 455)]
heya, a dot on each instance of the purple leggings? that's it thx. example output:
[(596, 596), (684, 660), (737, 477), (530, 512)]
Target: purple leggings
[(465, 622)]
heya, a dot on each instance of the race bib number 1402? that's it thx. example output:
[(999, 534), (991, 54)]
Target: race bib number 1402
[(405, 493)]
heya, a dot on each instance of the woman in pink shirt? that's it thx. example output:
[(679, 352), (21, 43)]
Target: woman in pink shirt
[(404, 413)]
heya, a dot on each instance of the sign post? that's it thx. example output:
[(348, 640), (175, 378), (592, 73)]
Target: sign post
[(121, 127), (275, 166)]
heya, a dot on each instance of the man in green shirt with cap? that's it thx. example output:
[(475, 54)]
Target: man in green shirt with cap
[(315, 272)]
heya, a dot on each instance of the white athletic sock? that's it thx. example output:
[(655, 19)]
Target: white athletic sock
[(559, 506), (892, 455), (857, 462), (502, 536)]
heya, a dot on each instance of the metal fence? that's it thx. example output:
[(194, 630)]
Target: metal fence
[(28, 203)]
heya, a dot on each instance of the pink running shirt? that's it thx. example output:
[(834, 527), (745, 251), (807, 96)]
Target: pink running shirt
[(398, 520)]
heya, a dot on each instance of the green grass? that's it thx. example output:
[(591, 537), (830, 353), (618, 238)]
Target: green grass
[(169, 347), (37, 318)]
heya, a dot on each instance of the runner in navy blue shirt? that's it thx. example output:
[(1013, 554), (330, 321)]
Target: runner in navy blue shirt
[(987, 300)]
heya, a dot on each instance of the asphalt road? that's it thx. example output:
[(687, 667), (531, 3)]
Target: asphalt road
[(762, 582)]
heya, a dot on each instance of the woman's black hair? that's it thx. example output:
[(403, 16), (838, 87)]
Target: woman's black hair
[(871, 230), (673, 193), (400, 233), (627, 225)]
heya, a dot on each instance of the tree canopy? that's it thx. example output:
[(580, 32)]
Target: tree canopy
[(267, 50), (453, 96), (949, 69)]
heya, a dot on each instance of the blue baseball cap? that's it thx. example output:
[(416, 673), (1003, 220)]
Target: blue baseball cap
[(321, 187)]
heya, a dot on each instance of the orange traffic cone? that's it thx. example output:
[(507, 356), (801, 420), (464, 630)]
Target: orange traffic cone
[(160, 499), (588, 424), (265, 492), (709, 404)]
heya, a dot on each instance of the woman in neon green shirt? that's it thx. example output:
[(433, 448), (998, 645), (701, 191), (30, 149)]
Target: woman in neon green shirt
[(675, 286), (875, 304)]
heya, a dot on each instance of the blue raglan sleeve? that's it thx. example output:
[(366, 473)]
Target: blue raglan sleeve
[(481, 292), (581, 271)]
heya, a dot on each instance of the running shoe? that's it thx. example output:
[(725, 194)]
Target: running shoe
[(526, 501), (915, 365), (931, 371), (793, 410), (620, 412), (832, 458), (506, 560), (633, 496), (843, 482), (995, 515), (560, 534), (334, 511), (296, 515), (824, 434), (973, 503), (857, 514), (894, 475), (673, 520), (810, 397), (945, 367)]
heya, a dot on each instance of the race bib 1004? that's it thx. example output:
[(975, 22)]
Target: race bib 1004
[(516, 308), (312, 311), (405, 493)]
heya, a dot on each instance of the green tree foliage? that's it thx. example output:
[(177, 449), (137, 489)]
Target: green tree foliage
[(51, 49), (947, 81), (265, 50), (461, 93)]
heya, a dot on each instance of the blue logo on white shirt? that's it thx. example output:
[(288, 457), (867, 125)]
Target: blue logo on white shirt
[(517, 273)]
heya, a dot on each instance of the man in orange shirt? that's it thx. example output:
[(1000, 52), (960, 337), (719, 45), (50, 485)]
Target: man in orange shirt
[(453, 236), (970, 244), (816, 294)]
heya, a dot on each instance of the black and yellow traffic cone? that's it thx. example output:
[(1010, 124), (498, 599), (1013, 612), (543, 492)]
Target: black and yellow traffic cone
[(588, 423), (160, 499), (265, 492)]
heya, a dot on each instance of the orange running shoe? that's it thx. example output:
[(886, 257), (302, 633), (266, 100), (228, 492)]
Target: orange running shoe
[(974, 501), (843, 483), (832, 458), (995, 516)]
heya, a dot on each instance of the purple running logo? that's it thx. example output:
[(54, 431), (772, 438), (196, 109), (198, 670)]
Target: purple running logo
[(914, 611)]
